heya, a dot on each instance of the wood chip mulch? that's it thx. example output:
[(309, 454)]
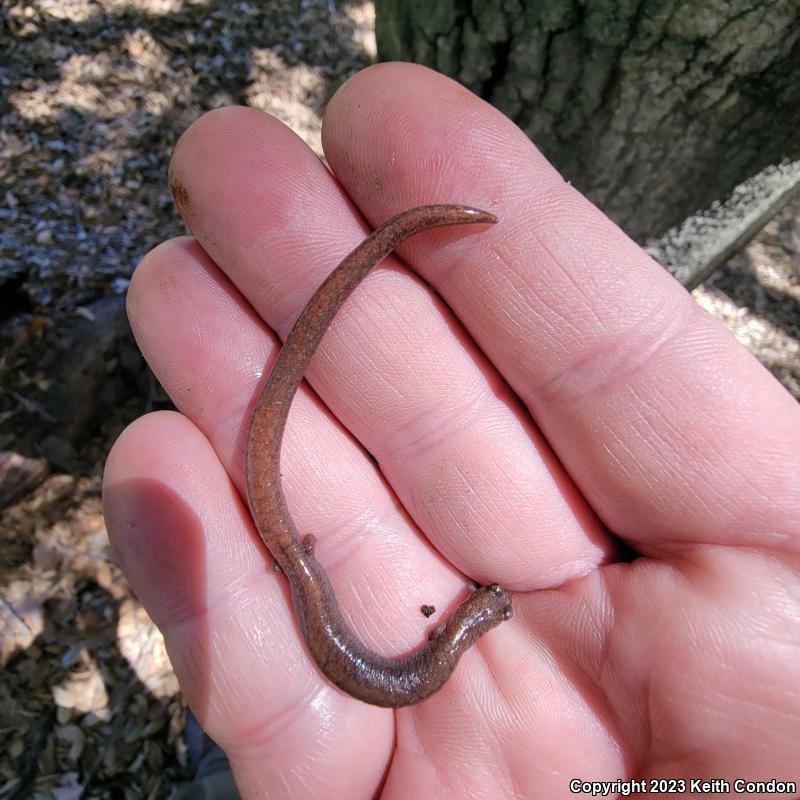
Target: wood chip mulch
[(94, 94)]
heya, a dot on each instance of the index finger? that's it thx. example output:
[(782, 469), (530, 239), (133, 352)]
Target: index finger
[(671, 429)]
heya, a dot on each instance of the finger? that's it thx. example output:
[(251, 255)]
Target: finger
[(669, 427), (207, 348), (185, 541), (186, 544), (395, 367)]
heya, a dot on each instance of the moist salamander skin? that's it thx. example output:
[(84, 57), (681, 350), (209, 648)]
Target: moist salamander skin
[(340, 655)]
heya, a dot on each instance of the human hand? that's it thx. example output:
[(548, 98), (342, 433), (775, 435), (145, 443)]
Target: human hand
[(654, 425)]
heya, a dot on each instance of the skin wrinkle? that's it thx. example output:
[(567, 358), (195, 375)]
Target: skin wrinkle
[(713, 688), (390, 383), (659, 469), (407, 128), (504, 312), (614, 456), (381, 379), (667, 467), (439, 430), (502, 503), (523, 309), (518, 302), (642, 475), (768, 500), (632, 355), (235, 454), (290, 290), (287, 290), (363, 600), (388, 641), (566, 273), (589, 620), (413, 335), (501, 712), (237, 588), (549, 533), (646, 476), (464, 115), (185, 615), (388, 450), (501, 776), (491, 510), (702, 461), (190, 658), (348, 536), (276, 725), (465, 543), (464, 532), (214, 654), (603, 716), (523, 199), (341, 375), (225, 690), (605, 669)]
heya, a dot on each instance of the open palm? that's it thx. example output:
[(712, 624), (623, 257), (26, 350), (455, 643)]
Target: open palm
[(568, 397)]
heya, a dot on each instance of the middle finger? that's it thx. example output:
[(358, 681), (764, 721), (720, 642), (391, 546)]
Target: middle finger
[(396, 367)]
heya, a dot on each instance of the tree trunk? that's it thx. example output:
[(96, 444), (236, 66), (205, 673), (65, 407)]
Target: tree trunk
[(654, 109)]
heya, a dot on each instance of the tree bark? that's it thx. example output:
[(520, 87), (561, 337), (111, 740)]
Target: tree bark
[(653, 108)]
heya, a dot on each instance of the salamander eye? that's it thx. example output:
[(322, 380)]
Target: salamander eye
[(508, 612)]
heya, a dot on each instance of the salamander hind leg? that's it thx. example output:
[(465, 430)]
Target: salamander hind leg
[(309, 541)]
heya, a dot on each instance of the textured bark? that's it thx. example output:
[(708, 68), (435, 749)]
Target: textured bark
[(653, 108)]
